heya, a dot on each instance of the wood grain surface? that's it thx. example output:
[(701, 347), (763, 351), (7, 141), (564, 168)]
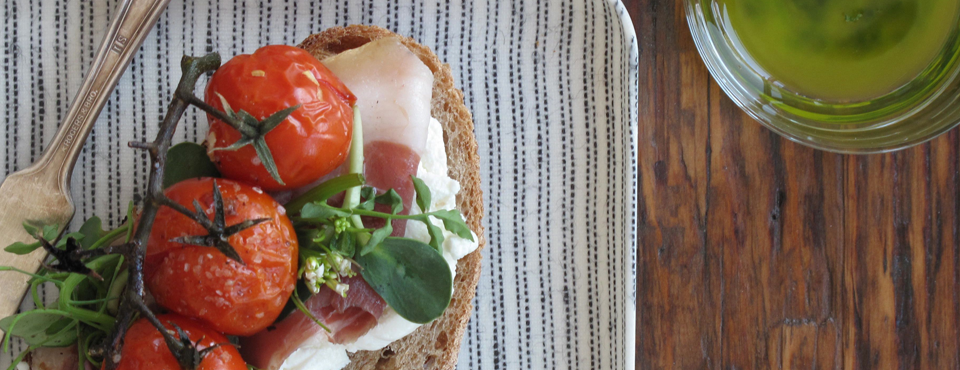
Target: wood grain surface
[(758, 253)]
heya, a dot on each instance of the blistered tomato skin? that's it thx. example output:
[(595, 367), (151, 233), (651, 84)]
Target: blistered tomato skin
[(144, 347), (309, 144), (201, 282)]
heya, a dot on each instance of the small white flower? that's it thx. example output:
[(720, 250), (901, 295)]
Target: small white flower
[(341, 289), (313, 274), (344, 267), (317, 273)]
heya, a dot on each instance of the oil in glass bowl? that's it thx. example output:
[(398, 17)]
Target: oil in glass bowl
[(843, 75)]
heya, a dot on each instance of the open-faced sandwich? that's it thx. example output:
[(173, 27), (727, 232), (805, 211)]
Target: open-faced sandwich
[(329, 220)]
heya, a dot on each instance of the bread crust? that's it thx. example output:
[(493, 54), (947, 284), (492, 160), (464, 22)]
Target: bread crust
[(437, 344)]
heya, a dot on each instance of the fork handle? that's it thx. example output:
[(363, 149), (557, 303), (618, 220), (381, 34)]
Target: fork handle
[(134, 20)]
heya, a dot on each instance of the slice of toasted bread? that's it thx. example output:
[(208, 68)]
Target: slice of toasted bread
[(437, 344)]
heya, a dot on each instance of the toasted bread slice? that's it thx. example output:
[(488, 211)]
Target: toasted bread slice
[(437, 344)]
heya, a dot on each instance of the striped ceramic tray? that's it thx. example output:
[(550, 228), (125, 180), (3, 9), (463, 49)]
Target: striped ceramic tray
[(553, 90)]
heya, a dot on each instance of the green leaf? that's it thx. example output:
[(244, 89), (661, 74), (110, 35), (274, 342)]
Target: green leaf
[(436, 236), (31, 229), (22, 248), (378, 236), (92, 231), (187, 161), (348, 244), (58, 325), (39, 327), (423, 194), (50, 232), (345, 243), (369, 196), (392, 199), (453, 221), (321, 211), (263, 152), (410, 276), (324, 191)]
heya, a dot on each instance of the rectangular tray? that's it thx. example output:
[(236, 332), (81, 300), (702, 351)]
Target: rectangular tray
[(553, 91)]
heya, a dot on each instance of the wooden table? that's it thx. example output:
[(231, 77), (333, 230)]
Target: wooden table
[(758, 253)]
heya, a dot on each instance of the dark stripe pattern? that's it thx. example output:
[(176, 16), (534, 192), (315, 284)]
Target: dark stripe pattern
[(552, 86)]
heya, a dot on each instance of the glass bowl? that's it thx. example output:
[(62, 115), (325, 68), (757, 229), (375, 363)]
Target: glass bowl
[(919, 110)]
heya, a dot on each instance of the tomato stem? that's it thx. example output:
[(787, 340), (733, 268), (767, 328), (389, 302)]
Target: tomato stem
[(131, 302)]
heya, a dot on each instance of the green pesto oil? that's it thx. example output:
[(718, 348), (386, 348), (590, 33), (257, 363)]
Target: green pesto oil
[(842, 50)]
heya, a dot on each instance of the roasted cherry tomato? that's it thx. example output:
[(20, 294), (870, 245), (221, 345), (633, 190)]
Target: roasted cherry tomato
[(309, 144), (203, 283), (144, 347)]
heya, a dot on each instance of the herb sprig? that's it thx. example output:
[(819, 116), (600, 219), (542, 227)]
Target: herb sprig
[(411, 276), (87, 300)]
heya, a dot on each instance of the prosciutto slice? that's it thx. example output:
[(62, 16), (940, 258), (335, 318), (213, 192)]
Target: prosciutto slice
[(393, 89), (389, 166), (348, 318)]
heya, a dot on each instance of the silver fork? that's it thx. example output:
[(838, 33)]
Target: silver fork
[(41, 192)]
